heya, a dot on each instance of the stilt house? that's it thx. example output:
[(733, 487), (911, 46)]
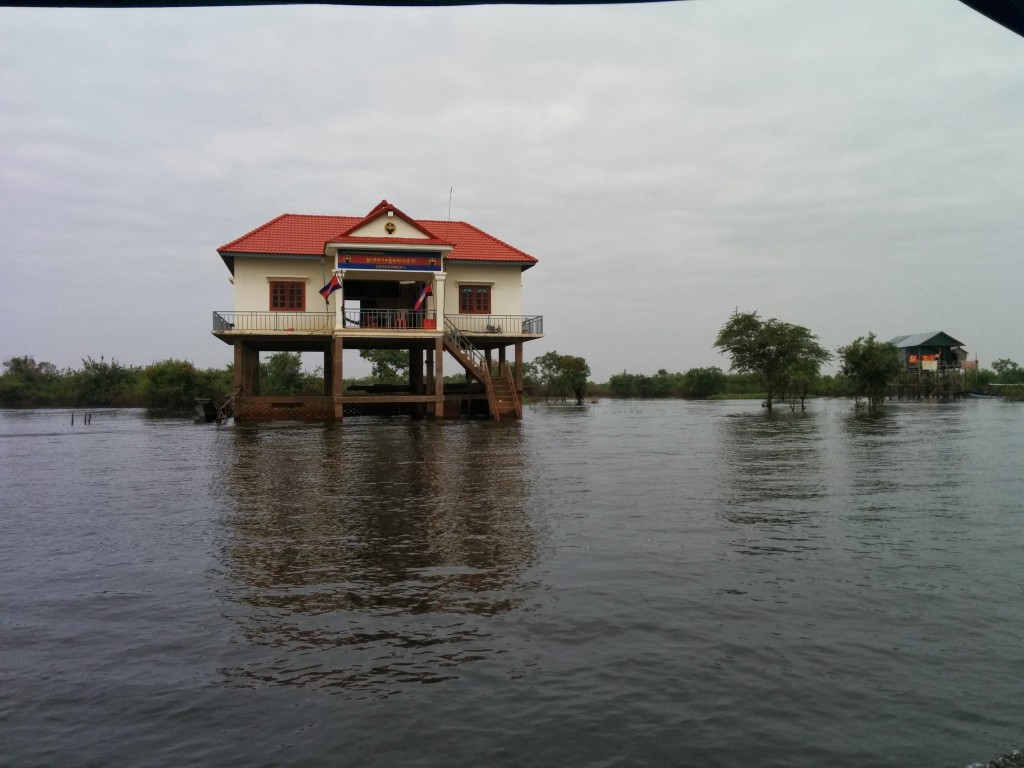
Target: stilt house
[(933, 365), (382, 281)]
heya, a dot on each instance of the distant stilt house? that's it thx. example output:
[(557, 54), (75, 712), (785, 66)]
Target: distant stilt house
[(933, 366), (384, 281)]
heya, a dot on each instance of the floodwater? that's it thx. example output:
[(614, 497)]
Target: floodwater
[(658, 583)]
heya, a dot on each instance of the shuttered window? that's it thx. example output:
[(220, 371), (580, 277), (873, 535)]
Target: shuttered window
[(474, 300), (287, 297)]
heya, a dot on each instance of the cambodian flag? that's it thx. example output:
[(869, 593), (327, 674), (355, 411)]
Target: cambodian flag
[(331, 287), (427, 291)]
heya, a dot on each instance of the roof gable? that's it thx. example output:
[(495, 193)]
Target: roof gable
[(412, 229)]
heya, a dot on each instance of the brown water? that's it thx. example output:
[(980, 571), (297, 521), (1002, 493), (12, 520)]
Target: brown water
[(630, 583)]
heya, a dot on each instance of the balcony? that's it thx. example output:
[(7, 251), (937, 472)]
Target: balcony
[(373, 322), (247, 323), (501, 325), (389, 320)]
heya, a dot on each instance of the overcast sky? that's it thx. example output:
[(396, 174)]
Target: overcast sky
[(847, 166)]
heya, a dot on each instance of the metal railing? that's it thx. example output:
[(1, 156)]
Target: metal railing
[(394, 319), (456, 337), (373, 319), (510, 325), (299, 322)]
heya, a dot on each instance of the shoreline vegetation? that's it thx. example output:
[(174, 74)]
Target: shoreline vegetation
[(175, 385)]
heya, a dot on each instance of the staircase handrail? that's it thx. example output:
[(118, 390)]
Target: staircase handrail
[(457, 337), (511, 379), (478, 360)]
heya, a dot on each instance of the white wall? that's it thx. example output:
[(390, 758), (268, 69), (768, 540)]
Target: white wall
[(377, 228), (505, 280), (253, 276)]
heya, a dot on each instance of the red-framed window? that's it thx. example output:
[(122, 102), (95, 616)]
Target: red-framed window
[(287, 296), (474, 299)]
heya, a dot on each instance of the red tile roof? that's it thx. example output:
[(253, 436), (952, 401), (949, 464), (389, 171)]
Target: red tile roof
[(301, 235), (290, 234)]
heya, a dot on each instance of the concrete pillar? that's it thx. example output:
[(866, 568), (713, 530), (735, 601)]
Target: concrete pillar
[(416, 371), (429, 362), (439, 378), (519, 366), (252, 370), (238, 376), (329, 369), (339, 300), (337, 377), (438, 290)]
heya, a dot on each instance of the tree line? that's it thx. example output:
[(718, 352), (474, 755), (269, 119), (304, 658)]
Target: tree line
[(775, 360), (166, 385), (175, 385), (770, 359)]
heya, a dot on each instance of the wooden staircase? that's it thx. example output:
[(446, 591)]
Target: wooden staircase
[(506, 399), (502, 398)]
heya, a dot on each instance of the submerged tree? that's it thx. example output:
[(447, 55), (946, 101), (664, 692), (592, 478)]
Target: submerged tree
[(171, 385), (561, 375), (104, 384), (1008, 371), (870, 366), (772, 350), (26, 382), (704, 382)]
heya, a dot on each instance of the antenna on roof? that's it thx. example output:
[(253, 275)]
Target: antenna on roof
[(450, 204)]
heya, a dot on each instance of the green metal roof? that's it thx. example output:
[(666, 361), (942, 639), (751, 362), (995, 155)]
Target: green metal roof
[(929, 339)]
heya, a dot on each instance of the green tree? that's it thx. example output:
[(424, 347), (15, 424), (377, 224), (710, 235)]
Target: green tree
[(170, 385), (217, 383), (772, 350), (562, 375), (390, 366), (870, 366), (531, 377), (548, 368), (575, 373), (103, 384), (623, 385), (26, 382), (979, 379), (704, 382), (801, 378), (1008, 371), (281, 374)]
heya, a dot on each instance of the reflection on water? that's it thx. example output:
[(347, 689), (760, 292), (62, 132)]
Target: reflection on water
[(373, 549), (868, 440), (773, 479), (628, 584)]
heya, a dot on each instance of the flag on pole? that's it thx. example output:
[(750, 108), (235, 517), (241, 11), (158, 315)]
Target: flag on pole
[(427, 291), (333, 285)]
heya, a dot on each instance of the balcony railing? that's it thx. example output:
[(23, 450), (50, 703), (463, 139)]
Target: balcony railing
[(394, 319), (374, 319), (299, 322), (508, 325)]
